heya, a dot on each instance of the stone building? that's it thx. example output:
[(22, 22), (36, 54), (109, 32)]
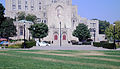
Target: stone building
[(56, 14), (20, 25)]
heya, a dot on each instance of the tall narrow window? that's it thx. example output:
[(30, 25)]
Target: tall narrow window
[(26, 4), (21, 30), (40, 6), (32, 4), (19, 4), (13, 4)]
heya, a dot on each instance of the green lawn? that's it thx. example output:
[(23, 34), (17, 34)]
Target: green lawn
[(59, 59)]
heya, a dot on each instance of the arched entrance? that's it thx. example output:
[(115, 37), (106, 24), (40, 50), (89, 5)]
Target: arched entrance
[(64, 37), (55, 37)]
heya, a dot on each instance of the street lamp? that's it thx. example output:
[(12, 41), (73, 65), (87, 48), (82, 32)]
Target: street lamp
[(60, 33), (114, 36), (94, 34), (24, 34)]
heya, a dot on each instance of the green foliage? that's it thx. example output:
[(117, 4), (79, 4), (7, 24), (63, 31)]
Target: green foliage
[(86, 43), (24, 16), (102, 26), (21, 15), (31, 17), (39, 30), (15, 46), (110, 31), (104, 45), (97, 44), (1, 17), (29, 44), (2, 9), (81, 32), (7, 28)]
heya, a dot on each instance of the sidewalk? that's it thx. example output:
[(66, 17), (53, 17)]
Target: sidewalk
[(75, 47)]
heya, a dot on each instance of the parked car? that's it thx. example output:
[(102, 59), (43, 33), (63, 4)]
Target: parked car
[(43, 44)]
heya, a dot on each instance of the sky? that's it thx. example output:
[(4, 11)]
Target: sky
[(108, 10)]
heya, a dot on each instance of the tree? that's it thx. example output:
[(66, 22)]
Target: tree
[(1, 16), (8, 28), (110, 31), (102, 26), (39, 30), (31, 17), (28, 17), (82, 32), (21, 15)]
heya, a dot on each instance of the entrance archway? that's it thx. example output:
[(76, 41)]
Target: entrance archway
[(64, 37)]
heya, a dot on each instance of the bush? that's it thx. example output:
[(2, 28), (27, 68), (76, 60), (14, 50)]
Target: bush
[(108, 45), (104, 45), (86, 43), (15, 46), (97, 44), (29, 44)]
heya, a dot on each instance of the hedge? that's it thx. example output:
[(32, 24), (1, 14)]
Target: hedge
[(104, 45), (29, 44)]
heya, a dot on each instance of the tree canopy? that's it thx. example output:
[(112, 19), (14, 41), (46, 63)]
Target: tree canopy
[(82, 32), (103, 24), (21, 15), (31, 17), (2, 9), (7, 28), (110, 31), (28, 17), (39, 30)]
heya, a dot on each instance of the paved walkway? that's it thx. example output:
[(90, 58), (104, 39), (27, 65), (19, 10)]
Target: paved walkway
[(75, 47)]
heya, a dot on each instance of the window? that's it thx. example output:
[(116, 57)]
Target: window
[(32, 4), (21, 30), (13, 4), (92, 30), (92, 24), (26, 4), (55, 37), (54, 1), (39, 5), (19, 4), (64, 37)]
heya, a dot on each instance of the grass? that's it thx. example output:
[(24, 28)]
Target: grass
[(59, 59)]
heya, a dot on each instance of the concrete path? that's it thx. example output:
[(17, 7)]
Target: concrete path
[(74, 47)]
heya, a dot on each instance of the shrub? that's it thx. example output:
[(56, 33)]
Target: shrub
[(104, 45), (29, 44), (108, 45), (86, 43), (15, 46), (97, 44)]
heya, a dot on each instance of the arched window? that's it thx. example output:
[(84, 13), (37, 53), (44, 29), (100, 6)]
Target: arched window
[(55, 37), (64, 37)]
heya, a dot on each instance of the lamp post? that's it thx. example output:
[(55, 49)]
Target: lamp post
[(114, 36), (94, 34), (24, 34), (60, 33)]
